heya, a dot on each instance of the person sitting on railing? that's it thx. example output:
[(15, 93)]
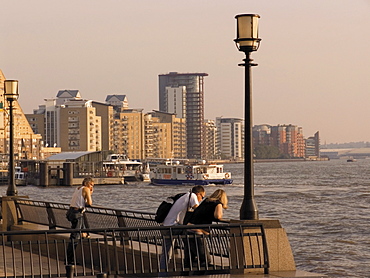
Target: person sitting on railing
[(210, 210), (81, 198), (176, 217)]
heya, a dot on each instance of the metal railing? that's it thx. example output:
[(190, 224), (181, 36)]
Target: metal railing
[(124, 242), (53, 215), (42, 253)]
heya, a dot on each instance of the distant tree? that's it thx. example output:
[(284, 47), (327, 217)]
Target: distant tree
[(264, 152), (284, 156), (224, 156)]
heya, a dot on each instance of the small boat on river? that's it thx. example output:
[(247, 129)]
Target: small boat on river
[(119, 165), (189, 174)]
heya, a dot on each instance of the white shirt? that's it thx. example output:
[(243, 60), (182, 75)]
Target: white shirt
[(78, 200), (179, 208)]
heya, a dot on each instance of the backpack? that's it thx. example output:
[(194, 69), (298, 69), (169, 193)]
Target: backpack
[(165, 207)]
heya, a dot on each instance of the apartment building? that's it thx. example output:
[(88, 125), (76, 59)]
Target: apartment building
[(175, 100), (80, 127), (261, 135), (211, 139), (106, 113), (230, 137), (45, 121), (169, 135), (148, 135), (313, 146), (193, 105), (131, 124), (162, 139), (288, 139), (119, 134), (119, 102)]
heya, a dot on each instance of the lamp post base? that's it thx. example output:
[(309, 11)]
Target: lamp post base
[(12, 192), (248, 210)]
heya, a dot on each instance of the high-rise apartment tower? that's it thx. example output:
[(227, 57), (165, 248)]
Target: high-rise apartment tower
[(193, 106)]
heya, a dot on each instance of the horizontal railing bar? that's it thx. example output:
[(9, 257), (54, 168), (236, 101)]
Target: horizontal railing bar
[(32, 203), (142, 228)]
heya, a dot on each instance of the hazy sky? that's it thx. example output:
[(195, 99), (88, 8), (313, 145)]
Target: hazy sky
[(313, 62)]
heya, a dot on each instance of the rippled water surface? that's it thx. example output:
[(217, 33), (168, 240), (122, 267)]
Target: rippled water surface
[(324, 207)]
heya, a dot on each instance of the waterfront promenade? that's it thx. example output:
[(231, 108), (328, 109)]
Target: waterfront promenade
[(134, 246)]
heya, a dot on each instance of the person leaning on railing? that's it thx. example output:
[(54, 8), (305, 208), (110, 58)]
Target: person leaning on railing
[(175, 217), (210, 210), (81, 199)]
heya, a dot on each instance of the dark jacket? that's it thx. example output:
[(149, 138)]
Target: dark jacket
[(204, 213)]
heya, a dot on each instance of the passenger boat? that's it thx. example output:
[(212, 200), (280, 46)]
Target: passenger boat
[(119, 165), (189, 174)]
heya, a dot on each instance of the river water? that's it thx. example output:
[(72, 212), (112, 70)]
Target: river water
[(323, 205)]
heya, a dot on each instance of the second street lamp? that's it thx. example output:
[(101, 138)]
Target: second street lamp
[(11, 94), (247, 41)]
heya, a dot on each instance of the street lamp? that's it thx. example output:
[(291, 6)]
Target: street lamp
[(247, 41), (11, 94)]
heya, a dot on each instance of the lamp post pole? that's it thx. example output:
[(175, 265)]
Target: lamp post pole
[(247, 41), (11, 94), (248, 209)]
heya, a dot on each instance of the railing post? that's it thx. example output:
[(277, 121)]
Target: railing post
[(69, 271), (9, 212), (237, 254), (121, 224)]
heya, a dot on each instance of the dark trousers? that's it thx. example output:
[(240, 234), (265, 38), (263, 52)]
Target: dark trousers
[(195, 249), (76, 218)]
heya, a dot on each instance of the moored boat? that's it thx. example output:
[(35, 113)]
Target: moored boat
[(119, 165), (189, 174)]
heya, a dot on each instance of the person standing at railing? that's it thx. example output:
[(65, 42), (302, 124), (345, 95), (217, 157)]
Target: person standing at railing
[(81, 199), (210, 210), (176, 217)]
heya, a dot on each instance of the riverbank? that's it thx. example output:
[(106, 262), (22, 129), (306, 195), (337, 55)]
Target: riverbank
[(267, 160)]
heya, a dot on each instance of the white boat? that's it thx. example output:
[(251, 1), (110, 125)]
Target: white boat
[(118, 165), (189, 174), (145, 172), (20, 177)]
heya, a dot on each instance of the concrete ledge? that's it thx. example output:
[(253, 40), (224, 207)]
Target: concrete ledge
[(266, 222), (279, 250)]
